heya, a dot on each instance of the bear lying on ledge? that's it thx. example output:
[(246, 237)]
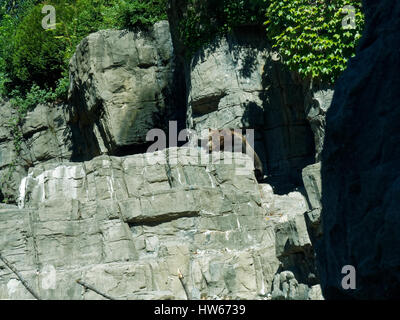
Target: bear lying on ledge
[(225, 140)]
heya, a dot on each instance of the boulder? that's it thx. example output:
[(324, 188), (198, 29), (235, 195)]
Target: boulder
[(286, 287), (122, 85)]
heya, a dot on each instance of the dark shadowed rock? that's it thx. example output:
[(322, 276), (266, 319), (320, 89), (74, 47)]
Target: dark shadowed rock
[(361, 165)]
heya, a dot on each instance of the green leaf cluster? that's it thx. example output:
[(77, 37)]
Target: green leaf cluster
[(134, 14), (31, 55), (206, 19), (308, 33), (22, 103), (310, 36)]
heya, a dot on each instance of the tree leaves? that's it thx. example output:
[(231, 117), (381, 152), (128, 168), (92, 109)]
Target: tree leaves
[(205, 20), (311, 37), (30, 55)]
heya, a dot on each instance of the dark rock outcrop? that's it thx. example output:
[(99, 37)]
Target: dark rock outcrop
[(361, 165)]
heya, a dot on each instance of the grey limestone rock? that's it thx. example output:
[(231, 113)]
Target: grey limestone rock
[(46, 137), (317, 102), (121, 85), (126, 225), (238, 82)]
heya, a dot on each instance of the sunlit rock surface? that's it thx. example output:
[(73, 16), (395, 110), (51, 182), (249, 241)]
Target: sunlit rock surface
[(126, 225)]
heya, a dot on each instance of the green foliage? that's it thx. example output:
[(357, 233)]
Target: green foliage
[(24, 103), (61, 90), (204, 20), (41, 56), (31, 55), (8, 22), (38, 54), (141, 13), (308, 33), (310, 36)]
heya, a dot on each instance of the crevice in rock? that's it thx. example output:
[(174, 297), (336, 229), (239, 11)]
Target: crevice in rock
[(160, 219), (206, 105)]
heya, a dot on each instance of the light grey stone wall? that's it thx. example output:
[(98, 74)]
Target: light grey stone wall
[(122, 86), (47, 137), (126, 227)]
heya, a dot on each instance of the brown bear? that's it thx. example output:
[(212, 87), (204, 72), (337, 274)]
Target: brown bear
[(227, 138)]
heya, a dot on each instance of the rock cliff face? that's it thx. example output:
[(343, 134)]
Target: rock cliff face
[(361, 167), (318, 98), (122, 86), (126, 225), (239, 81), (47, 137), (235, 83), (93, 206)]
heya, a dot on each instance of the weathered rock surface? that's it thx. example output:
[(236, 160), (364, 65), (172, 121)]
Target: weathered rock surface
[(361, 165), (313, 186), (238, 82), (286, 287), (126, 225), (121, 86), (47, 137), (318, 98)]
